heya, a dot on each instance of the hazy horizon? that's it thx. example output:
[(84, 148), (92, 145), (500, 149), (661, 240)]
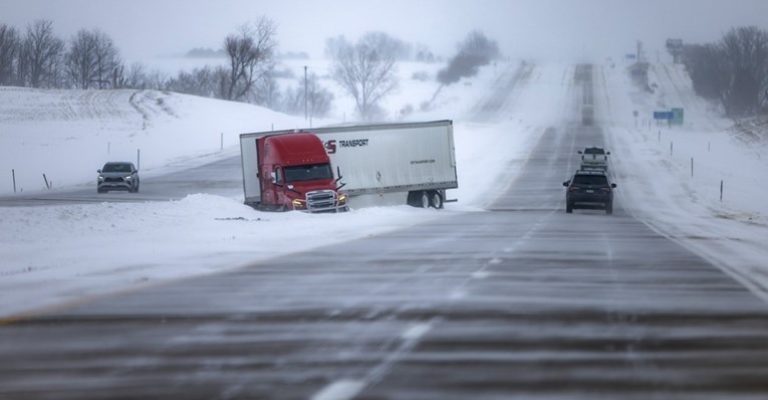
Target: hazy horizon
[(551, 29)]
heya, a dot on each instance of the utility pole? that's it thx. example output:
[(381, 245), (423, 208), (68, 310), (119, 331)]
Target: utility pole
[(305, 93)]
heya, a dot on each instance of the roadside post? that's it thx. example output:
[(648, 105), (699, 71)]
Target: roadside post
[(13, 176)]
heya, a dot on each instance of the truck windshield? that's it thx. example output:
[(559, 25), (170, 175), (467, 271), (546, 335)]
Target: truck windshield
[(308, 172)]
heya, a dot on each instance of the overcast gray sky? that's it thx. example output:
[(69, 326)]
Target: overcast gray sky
[(554, 29)]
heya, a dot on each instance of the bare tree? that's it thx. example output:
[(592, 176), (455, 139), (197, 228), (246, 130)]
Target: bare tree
[(708, 68), (199, 82), (9, 52), (475, 51), (319, 99), (746, 50), (41, 54), (250, 53), (80, 60), (266, 91), (366, 70), (93, 61), (136, 77)]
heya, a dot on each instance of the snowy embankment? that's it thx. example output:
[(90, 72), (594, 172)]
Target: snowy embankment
[(68, 134), (671, 177), (57, 255)]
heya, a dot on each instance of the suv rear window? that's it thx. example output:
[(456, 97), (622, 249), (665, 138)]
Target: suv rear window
[(590, 180)]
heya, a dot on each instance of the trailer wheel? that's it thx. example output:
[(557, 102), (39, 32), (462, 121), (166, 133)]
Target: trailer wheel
[(424, 201), (436, 200)]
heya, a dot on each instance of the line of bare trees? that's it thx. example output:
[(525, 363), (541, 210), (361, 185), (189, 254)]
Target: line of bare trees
[(733, 70), (366, 69), (38, 58)]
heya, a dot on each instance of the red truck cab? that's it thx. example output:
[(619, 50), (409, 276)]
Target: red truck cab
[(295, 173)]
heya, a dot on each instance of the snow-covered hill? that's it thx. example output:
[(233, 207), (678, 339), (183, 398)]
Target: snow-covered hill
[(68, 134)]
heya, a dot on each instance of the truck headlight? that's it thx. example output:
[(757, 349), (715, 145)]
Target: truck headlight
[(297, 203), (101, 178), (342, 198)]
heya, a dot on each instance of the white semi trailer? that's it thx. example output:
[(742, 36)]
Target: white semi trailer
[(414, 158)]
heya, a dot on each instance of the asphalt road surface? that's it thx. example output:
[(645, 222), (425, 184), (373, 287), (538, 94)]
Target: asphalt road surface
[(223, 177), (521, 301)]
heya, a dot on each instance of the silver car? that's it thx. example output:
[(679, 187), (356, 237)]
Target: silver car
[(118, 176)]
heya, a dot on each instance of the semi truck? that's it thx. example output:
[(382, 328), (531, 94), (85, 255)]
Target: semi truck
[(417, 159)]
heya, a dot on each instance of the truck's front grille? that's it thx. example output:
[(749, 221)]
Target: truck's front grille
[(320, 200)]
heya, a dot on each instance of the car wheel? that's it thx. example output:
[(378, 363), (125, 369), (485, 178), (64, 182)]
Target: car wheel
[(436, 200), (101, 190), (609, 208), (568, 208)]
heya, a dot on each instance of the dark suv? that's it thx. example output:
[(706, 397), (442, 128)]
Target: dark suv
[(589, 189), (118, 176)]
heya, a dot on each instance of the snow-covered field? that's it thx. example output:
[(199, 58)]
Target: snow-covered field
[(653, 168), (61, 254)]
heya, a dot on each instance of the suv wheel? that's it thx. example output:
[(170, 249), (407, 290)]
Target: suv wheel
[(609, 208), (568, 208)]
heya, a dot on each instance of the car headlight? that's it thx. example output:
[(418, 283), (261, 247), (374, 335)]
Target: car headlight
[(342, 198), (101, 178), (128, 177)]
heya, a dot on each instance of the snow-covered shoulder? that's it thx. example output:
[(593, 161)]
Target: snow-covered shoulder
[(671, 176), (54, 255)]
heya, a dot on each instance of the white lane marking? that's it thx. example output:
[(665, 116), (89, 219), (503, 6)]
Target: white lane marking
[(480, 274), (416, 331), (344, 389), (457, 294), (495, 261)]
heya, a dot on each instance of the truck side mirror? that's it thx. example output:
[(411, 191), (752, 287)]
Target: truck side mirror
[(98, 171), (608, 153), (613, 185), (579, 152), (273, 176), (338, 173), (566, 183)]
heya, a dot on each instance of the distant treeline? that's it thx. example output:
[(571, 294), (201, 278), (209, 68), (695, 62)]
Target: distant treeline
[(365, 69), (733, 70), (36, 57)]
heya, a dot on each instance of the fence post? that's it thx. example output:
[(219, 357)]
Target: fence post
[(671, 148), (659, 140), (138, 159), (109, 147), (13, 176), (691, 167), (222, 141), (721, 190)]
